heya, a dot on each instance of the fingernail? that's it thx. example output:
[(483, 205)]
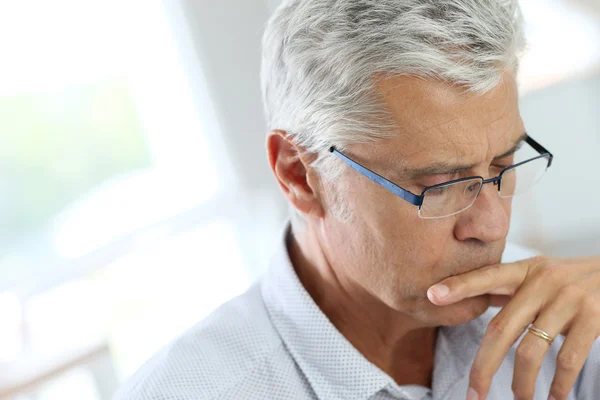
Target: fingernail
[(440, 291), (472, 394), (551, 398)]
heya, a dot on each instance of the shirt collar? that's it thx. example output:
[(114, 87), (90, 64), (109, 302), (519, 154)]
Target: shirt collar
[(334, 368)]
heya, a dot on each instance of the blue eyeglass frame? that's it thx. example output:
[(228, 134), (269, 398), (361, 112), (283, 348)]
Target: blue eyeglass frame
[(417, 200)]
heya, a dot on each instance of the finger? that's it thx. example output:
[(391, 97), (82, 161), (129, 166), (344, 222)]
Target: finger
[(505, 279), (591, 281), (532, 350), (571, 358), (502, 332), (499, 301), (499, 279)]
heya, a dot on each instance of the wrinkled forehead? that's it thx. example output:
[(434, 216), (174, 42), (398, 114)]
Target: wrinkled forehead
[(438, 121)]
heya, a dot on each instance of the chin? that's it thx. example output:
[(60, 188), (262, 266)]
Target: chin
[(428, 314), (461, 312)]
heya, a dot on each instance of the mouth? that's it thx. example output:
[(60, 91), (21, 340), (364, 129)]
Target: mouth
[(464, 270)]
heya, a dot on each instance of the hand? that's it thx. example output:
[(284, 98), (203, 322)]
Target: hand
[(555, 295)]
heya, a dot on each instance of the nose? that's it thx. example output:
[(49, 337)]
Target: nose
[(488, 218)]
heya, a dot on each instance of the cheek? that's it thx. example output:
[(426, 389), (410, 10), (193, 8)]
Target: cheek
[(387, 245), (396, 231), (426, 240), (426, 252), (413, 249)]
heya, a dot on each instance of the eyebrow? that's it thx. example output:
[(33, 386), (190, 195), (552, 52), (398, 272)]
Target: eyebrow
[(443, 168), (515, 148)]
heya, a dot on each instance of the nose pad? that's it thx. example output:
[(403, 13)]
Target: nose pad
[(495, 182), (498, 182)]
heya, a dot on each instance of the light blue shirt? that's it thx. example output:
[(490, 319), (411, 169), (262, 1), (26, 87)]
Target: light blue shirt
[(274, 342)]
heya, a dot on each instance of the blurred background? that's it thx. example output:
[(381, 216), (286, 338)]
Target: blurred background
[(135, 192)]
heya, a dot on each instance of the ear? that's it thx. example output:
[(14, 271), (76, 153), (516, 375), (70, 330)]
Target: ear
[(291, 168)]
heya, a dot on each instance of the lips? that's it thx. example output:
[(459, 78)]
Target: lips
[(462, 269)]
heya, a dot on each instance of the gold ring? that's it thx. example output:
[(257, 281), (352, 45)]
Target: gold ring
[(540, 333)]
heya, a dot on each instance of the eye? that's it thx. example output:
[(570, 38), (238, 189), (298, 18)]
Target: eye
[(433, 180), (498, 167), (473, 187), (503, 163), (439, 191)]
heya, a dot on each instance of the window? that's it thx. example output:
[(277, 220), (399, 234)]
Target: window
[(554, 55), (114, 184)]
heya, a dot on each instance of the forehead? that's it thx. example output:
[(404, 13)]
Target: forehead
[(438, 121)]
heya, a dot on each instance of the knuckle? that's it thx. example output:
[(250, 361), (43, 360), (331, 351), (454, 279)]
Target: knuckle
[(571, 293), (540, 261), (496, 328), (527, 354), (492, 271), (591, 306), (554, 275), (522, 393), (561, 389), (478, 378), (543, 260), (569, 362)]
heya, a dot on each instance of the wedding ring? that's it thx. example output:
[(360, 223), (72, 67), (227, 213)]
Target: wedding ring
[(541, 334)]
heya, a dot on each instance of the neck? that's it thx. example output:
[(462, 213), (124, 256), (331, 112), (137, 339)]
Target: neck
[(389, 339)]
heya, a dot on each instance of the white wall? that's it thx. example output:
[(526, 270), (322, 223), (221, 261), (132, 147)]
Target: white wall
[(223, 57), (227, 36), (272, 4), (562, 215)]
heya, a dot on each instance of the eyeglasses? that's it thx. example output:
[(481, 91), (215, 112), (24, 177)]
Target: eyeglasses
[(453, 197)]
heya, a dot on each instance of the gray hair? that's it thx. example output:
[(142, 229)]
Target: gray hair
[(321, 58)]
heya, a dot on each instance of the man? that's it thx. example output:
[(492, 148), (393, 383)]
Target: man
[(397, 140)]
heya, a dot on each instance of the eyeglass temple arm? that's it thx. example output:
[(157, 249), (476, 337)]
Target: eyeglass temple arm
[(539, 148), (380, 180)]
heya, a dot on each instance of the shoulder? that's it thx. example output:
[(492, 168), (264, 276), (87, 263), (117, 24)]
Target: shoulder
[(212, 358)]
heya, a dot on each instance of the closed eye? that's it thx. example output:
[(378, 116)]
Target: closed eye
[(439, 191), (432, 180), (504, 163)]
